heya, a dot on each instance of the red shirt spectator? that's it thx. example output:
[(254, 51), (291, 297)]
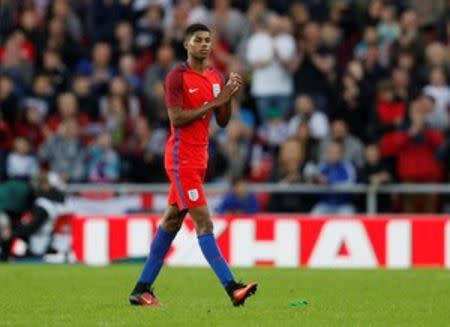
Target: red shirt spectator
[(415, 149), (67, 108), (389, 111), (6, 136), (29, 127)]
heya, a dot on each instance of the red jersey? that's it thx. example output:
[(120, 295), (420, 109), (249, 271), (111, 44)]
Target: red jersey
[(187, 146)]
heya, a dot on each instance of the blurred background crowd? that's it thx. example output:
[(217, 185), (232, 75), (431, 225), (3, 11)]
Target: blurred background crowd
[(337, 92)]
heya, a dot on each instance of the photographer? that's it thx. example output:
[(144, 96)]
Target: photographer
[(47, 205)]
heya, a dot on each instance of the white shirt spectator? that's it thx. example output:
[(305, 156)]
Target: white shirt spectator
[(198, 14), (318, 125), (271, 78), (439, 117), (21, 165), (274, 133)]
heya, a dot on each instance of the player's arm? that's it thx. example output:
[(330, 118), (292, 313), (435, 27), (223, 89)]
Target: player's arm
[(223, 113), (174, 100), (179, 117)]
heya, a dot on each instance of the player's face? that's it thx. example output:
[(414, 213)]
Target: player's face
[(199, 45)]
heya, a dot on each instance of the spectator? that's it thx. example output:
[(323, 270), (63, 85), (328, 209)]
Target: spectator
[(149, 31), (436, 56), (153, 86), (388, 32), (46, 204), (370, 36), (118, 87), (352, 148), (374, 171), (99, 69), (54, 67), (6, 139), (439, 90), (310, 144), (124, 41), (43, 94), (374, 70), (67, 109), (415, 148), (62, 10), (29, 25), (143, 154), (316, 69), (197, 12), (127, 70), (88, 104), (401, 84), (103, 160), (227, 22), (390, 112), (443, 26), (353, 100), (8, 101), (410, 38), (175, 33), (334, 170), (271, 54), (14, 63), (6, 133), (57, 39), (16, 197), (306, 113), (407, 62), (373, 13), (274, 131), (29, 125), (105, 15), (21, 164), (364, 73), (235, 145), (239, 200), (7, 18), (288, 170), (116, 119), (299, 15), (64, 152), (388, 28)]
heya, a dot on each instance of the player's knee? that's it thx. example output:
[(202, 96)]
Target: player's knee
[(171, 226), (204, 226), (172, 223)]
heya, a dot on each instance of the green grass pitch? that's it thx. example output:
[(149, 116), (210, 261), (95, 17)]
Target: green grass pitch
[(38, 295)]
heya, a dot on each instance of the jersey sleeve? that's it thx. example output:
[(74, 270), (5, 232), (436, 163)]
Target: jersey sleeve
[(173, 88)]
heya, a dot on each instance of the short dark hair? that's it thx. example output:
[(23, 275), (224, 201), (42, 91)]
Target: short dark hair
[(191, 29), (236, 179)]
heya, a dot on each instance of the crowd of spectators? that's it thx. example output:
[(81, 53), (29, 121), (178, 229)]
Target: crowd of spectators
[(337, 91)]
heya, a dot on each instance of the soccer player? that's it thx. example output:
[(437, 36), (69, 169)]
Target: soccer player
[(194, 93)]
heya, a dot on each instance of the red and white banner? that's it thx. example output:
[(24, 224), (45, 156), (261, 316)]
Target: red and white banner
[(276, 240)]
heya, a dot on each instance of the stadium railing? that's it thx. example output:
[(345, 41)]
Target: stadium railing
[(371, 191)]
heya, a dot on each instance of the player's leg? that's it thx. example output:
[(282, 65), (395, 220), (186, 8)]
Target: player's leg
[(238, 292), (166, 232), (170, 225)]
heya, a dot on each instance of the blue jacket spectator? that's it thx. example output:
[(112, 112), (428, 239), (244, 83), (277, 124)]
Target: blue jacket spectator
[(335, 171), (104, 162), (239, 200)]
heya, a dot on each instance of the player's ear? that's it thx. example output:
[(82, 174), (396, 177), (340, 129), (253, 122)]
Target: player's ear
[(186, 41)]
